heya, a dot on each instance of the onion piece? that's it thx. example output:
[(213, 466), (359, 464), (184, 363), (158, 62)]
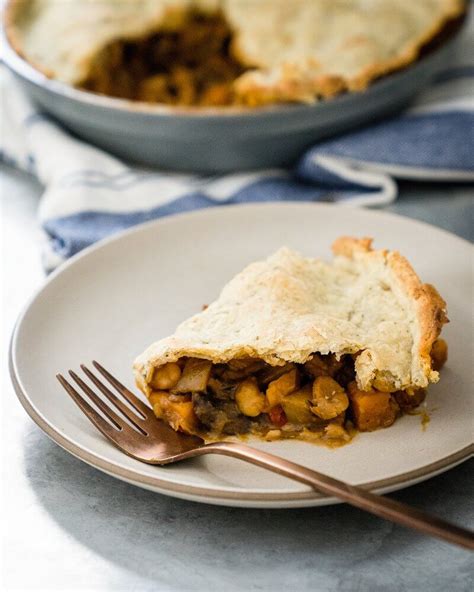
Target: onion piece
[(195, 376)]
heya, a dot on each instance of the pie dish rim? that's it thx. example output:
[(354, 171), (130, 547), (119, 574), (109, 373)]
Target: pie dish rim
[(19, 64)]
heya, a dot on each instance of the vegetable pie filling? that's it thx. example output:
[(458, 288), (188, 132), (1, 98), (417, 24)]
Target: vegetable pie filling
[(317, 400), (227, 52), (192, 65)]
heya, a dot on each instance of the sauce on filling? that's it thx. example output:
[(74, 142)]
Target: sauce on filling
[(193, 65), (315, 401)]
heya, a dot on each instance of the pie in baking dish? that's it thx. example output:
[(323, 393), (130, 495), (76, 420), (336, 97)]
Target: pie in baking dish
[(221, 52), (300, 348)]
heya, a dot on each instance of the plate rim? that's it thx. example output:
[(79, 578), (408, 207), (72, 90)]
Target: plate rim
[(199, 493)]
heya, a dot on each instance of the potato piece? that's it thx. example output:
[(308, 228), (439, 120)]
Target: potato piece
[(329, 398), (195, 376), (439, 354), (296, 406), (178, 412), (165, 377), (279, 388), (249, 399), (372, 409)]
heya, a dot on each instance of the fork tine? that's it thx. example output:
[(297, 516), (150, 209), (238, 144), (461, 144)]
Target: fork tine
[(123, 390), (108, 412), (131, 415), (99, 422)]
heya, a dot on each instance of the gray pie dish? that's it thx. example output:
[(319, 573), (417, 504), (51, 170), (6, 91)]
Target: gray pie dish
[(226, 138)]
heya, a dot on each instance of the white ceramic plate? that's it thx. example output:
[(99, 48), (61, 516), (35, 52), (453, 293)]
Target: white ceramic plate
[(114, 299)]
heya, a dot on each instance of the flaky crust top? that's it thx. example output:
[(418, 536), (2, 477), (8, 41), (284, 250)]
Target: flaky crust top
[(296, 51), (287, 307)]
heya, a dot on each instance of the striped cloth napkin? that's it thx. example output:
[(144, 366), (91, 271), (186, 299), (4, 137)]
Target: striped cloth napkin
[(89, 194)]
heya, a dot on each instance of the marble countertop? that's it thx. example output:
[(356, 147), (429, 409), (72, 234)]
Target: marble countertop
[(68, 526)]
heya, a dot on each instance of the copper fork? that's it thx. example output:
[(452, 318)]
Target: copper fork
[(142, 436)]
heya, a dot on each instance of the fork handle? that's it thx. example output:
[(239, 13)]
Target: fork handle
[(384, 507)]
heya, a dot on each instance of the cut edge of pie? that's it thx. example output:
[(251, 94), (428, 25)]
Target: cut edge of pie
[(246, 71), (281, 353)]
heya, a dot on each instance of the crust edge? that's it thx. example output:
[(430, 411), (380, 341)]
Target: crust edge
[(429, 311), (289, 88), (430, 308), (286, 88)]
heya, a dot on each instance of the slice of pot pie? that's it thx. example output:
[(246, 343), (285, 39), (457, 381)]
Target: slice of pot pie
[(299, 348), (221, 52)]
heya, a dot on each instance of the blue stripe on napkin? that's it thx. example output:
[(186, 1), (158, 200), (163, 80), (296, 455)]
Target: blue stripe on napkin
[(429, 141)]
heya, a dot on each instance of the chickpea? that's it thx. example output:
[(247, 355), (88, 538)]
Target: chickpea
[(165, 377), (439, 354), (384, 382), (329, 398), (249, 399), (279, 388)]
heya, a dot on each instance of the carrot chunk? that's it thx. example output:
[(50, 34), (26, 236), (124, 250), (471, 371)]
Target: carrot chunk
[(372, 409), (277, 416)]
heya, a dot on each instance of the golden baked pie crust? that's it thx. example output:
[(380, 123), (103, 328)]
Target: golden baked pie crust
[(299, 74), (365, 320)]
